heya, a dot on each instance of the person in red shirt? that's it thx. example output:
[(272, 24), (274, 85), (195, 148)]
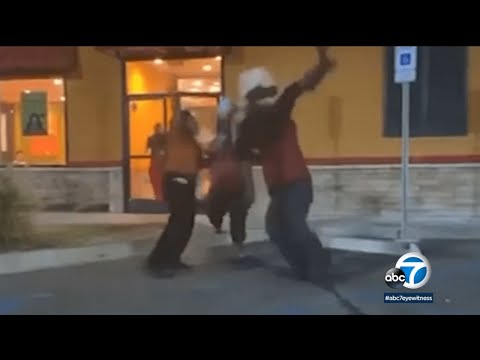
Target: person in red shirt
[(229, 179), (268, 131)]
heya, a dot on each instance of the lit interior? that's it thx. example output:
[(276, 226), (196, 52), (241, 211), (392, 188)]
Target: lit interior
[(199, 77), (164, 76), (191, 76), (46, 149)]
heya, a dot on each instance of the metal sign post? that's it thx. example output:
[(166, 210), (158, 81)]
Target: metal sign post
[(405, 73), (405, 157)]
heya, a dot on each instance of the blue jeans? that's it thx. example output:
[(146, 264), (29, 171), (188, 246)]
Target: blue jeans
[(286, 225)]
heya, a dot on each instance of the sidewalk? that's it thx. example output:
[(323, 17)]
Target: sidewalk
[(137, 242), (206, 245), (72, 218), (440, 226), (422, 227)]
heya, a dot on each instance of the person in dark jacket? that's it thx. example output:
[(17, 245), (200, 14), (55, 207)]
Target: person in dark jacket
[(268, 129)]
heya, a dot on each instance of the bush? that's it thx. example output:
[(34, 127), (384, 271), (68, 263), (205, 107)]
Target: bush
[(16, 209)]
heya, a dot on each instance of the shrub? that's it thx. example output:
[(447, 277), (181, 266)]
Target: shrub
[(16, 208)]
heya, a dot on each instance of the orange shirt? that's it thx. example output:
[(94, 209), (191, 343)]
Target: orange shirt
[(183, 155)]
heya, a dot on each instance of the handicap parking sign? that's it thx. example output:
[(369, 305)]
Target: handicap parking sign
[(405, 59), (405, 64)]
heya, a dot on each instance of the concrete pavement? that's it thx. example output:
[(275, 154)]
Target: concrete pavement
[(121, 288), (217, 286), (425, 226), (220, 287), (75, 218)]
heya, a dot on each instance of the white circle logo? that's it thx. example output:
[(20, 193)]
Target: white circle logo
[(416, 268)]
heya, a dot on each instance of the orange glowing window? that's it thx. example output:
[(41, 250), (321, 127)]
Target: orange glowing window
[(43, 146), (46, 147)]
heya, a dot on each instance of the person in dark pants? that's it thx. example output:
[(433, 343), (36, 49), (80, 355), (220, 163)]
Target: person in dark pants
[(183, 158), (228, 191), (268, 129), (233, 204)]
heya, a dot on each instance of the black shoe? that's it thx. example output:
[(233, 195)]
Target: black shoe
[(319, 269), (159, 272), (180, 266), (166, 267)]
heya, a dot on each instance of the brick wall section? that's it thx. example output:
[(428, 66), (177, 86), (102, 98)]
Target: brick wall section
[(375, 190), (362, 190), (71, 189)]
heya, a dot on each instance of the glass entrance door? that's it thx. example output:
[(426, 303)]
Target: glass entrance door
[(150, 120)]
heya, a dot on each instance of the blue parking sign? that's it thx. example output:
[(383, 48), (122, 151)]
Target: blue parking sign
[(405, 64), (405, 59)]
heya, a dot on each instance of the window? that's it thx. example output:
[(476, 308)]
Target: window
[(438, 102), (32, 121), (168, 76)]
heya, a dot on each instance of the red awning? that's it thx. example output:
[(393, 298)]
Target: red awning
[(39, 61), (165, 52)]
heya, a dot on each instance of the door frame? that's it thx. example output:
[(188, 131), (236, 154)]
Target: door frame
[(8, 156), (154, 207)]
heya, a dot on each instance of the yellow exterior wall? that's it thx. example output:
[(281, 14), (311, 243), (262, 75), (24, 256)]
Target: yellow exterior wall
[(344, 117), (94, 108)]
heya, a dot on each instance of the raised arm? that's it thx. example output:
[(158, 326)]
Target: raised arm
[(308, 82), (261, 129)]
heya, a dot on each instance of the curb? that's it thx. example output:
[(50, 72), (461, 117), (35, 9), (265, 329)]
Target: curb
[(21, 262), (28, 261)]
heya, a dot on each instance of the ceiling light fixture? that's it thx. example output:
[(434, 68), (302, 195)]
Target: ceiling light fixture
[(158, 61), (58, 82), (62, 98), (198, 83), (218, 58), (214, 89), (207, 67)]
